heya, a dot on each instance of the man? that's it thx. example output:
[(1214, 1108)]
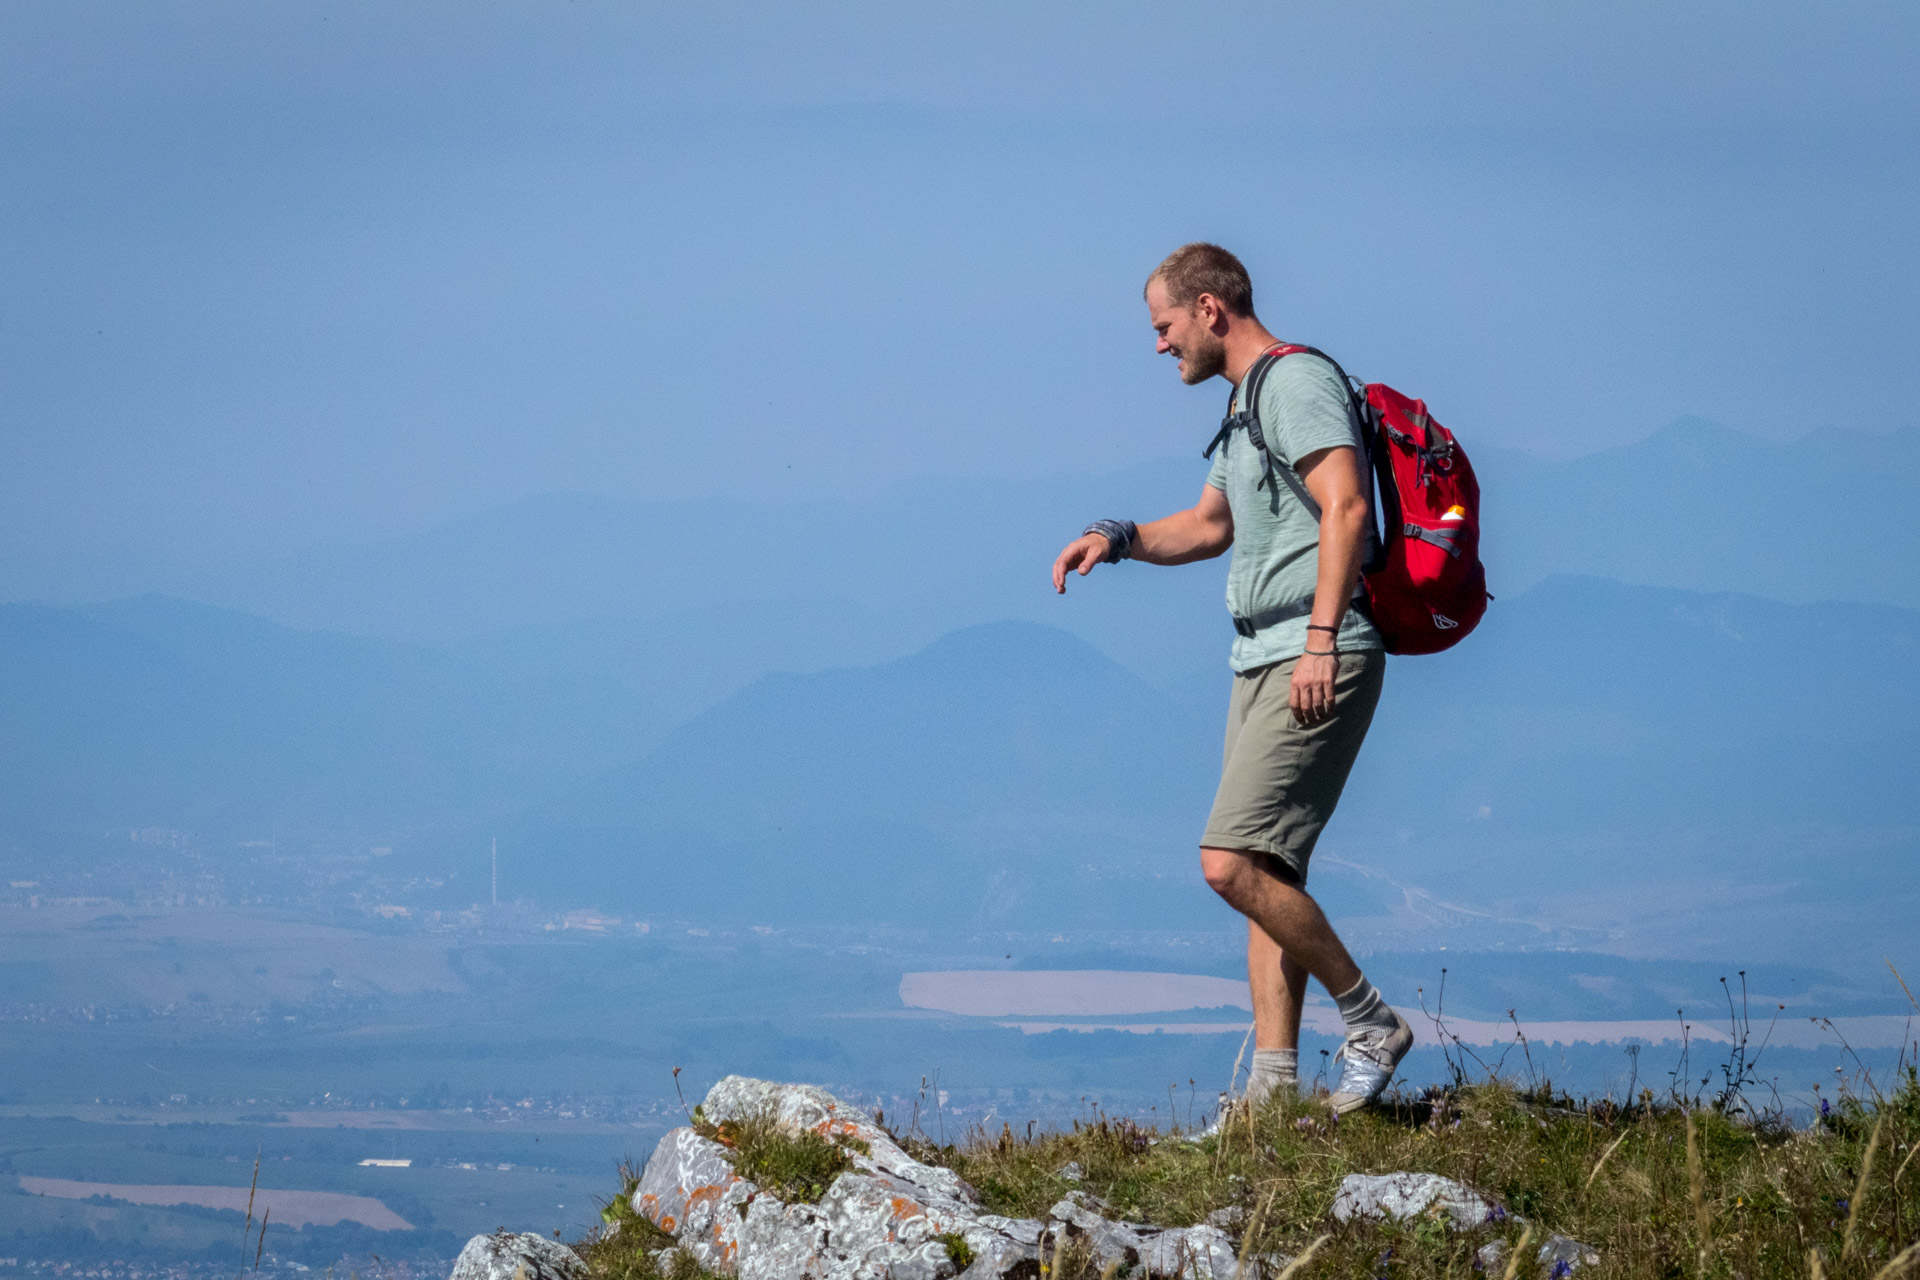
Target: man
[(1306, 680)]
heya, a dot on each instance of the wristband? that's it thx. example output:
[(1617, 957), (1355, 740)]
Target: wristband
[(1311, 626), (1119, 535), (1321, 653)]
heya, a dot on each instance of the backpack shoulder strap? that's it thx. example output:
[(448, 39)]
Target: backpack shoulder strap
[(1362, 422), (1255, 379)]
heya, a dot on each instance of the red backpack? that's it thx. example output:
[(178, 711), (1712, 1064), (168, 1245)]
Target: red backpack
[(1424, 585)]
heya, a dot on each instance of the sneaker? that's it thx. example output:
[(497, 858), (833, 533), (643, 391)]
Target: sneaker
[(1230, 1111), (1367, 1062)]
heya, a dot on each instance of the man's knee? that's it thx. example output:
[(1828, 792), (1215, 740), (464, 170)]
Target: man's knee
[(1226, 871)]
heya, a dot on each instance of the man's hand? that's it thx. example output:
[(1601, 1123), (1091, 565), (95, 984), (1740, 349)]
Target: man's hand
[(1311, 695), (1084, 552)]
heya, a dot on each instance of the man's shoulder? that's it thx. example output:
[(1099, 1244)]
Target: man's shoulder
[(1305, 393), (1303, 373)]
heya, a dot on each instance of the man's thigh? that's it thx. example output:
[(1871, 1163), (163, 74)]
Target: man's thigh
[(1281, 780)]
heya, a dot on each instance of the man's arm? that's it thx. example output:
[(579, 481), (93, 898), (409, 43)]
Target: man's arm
[(1200, 533), (1336, 481)]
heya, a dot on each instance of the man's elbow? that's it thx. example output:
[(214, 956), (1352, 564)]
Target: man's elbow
[(1349, 512)]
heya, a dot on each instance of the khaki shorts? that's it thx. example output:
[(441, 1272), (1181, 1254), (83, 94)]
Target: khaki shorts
[(1279, 782)]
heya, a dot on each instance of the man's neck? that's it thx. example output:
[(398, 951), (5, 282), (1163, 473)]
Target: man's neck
[(1244, 346)]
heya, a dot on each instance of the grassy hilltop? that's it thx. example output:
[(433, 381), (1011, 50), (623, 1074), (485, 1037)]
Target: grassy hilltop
[(1674, 1188)]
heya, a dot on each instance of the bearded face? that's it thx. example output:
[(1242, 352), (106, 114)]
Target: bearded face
[(1185, 334), (1202, 355)]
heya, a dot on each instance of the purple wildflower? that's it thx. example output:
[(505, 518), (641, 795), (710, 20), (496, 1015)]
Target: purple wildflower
[(1561, 1270)]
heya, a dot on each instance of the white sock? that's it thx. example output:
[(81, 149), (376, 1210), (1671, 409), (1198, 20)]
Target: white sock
[(1364, 1009), (1272, 1069)]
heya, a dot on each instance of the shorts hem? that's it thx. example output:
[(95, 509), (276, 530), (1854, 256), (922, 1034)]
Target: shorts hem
[(1249, 844)]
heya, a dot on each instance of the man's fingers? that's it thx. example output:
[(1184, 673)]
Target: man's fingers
[(1078, 558), (1060, 567)]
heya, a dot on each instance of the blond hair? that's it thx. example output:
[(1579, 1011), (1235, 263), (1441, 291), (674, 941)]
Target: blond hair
[(1197, 268)]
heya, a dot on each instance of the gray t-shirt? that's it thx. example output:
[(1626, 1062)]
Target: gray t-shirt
[(1276, 543)]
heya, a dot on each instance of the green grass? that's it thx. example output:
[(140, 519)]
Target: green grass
[(1766, 1195), (796, 1167), (1660, 1189)]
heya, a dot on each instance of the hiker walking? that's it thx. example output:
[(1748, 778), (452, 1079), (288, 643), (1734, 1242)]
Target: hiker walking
[(1307, 664)]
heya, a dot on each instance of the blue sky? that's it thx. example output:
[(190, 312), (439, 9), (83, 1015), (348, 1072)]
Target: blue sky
[(284, 274)]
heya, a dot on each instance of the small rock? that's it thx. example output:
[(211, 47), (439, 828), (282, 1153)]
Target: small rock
[(1070, 1172), (506, 1255), (1202, 1253), (1491, 1255), (1399, 1196), (1564, 1249), (1110, 1242), (1227, 1219)]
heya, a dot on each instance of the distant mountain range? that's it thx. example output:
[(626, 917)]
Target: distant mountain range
[(686, 601), (795, 709), (1012, 772)]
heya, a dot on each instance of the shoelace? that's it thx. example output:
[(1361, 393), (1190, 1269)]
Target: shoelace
[(1357, 1067)]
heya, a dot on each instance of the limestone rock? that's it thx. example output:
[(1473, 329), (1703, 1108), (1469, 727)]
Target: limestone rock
[(1203, 1252), (1109, 1242), (804, 1106), (1228, 1219), (1564, 1249), (506, 1255), (1399, 1196), (889, 1216), (690, 1191), (883, 1217)]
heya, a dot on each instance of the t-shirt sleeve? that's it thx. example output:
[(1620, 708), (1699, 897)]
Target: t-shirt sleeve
[(1217, 473), (1303, 408)]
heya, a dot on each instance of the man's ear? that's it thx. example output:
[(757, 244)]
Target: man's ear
[(1211, 313)]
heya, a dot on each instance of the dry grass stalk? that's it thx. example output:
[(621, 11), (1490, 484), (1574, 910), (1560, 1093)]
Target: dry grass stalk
[(1238, 1058), (1898, 1173), (1814, 1270), (1860, 1187), (1306, 1256), (1697, 1190), (1903, 983), (1901, 1261), (1611, 1148), (1253, 1229), (1111, 1270), (1519, 1251)]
